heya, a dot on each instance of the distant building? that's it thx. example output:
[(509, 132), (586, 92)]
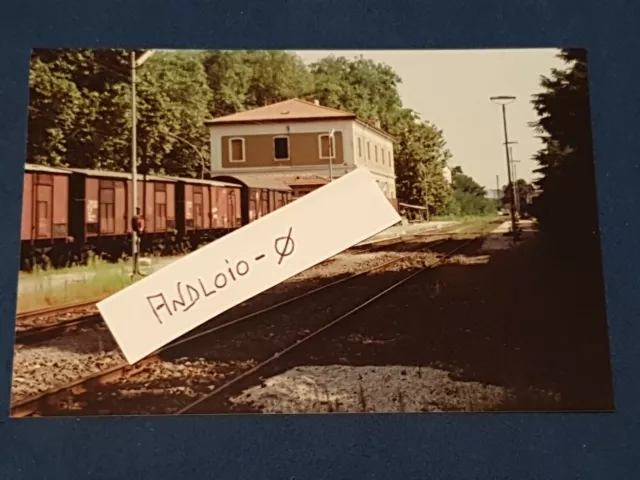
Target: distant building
[(494, 194), (446, 171), (291, 140)]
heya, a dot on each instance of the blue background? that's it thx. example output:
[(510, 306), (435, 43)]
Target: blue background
[(496, 446)]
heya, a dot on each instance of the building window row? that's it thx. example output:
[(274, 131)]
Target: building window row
[(387, 188), (375, 153), (281, 148)]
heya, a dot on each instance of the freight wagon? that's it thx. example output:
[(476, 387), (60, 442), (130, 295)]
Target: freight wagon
[(206, 210), (44, 231), (69, 212), (260, 195), (101, 216)]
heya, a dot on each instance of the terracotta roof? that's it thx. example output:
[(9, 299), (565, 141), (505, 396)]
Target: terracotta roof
[(294, 109), (254, 181)]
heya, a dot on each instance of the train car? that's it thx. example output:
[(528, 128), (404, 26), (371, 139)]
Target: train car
[(206, 210), (69, 212), (260, 195), (101, 211), (44, 231)]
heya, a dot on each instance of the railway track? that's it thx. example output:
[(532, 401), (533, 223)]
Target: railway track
[(41, 331), (203, 405), (90, 392), (55, 310)]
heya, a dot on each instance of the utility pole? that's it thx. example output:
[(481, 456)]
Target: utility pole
[(135, 64), (503, 101), (134, 167), (516, 199)]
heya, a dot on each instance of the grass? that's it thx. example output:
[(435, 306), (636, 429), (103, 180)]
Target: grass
[(67, 285), (463, 218)]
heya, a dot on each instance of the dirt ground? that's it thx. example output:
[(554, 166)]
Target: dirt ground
[(494, 329), (56, 362)]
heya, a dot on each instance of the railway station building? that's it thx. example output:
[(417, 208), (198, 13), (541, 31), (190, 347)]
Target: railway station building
[(302, 144)]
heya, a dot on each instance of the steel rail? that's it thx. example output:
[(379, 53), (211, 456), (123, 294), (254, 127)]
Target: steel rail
[(31, 405), (225, 386)]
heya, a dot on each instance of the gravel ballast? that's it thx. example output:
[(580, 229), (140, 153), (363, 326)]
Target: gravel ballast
[(57, 362)]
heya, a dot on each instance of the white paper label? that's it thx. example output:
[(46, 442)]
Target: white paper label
[(185, 294)]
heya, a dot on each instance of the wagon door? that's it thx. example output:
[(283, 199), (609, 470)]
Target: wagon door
[(44, 206), (230, 208), (198, 208), (122, 226), (217, 206), (208, 206), (27, 207), (253, 204), (265, 203), (160, 207), (106, 202), (272, 201)]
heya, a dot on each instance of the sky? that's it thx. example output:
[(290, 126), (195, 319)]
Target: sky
[(451, 89)]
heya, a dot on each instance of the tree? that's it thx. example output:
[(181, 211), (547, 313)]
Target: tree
[(469, 197), (88, 87), (524, 194), (420, 158), (80, 110), (55, 105), (360, 86), (276, 76), (566, 208), (242, 80), (370, 90), (228, 77), (174, 103)]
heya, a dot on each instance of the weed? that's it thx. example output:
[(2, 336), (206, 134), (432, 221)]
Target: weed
[(362, 400), (436, 289), (401, 404), (70, 285)]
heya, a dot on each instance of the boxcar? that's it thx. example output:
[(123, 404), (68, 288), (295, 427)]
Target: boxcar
[(45, 216), (101, 209), (260, 195), (206, 209)]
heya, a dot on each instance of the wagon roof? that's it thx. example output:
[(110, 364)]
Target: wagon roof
[(255, 181), (32, 167), (199, 181), (125, 175)]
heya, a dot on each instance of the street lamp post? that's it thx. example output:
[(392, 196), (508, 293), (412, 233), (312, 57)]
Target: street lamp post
[(135, 64), (197, 150), (515, 180), (503, 101)]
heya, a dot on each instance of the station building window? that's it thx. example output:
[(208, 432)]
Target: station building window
[(281, 148), (236, 150), (326, 146)]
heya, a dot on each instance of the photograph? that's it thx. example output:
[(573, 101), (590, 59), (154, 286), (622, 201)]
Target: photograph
[(486, 296)]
